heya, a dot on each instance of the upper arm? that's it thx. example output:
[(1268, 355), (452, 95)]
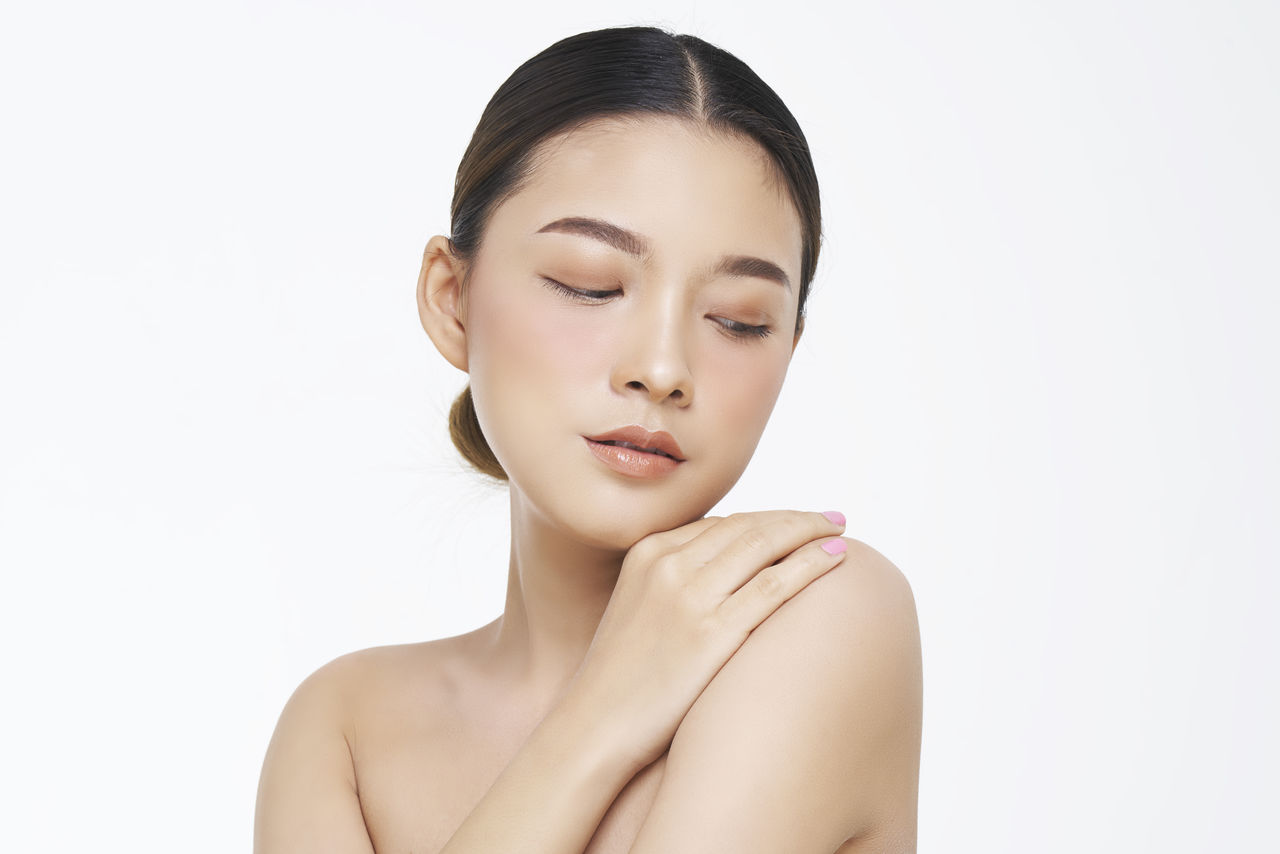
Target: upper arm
[(810, 734), (307, 797)]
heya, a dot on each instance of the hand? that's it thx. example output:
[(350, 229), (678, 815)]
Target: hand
[(685, 601)]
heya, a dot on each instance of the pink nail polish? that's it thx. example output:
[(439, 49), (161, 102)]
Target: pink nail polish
[(834, 547), (835, 517)]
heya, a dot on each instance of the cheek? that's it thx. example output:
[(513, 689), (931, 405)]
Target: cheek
[(532, 340), (529, 357), (742, 387)]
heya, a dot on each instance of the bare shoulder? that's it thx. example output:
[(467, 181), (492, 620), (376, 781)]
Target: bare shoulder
[(809, 737), (378, 675), (865, 583), (308, 794), (865, 599), (344, 691)]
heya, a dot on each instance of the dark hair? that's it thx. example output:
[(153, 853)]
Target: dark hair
[(615, 72)]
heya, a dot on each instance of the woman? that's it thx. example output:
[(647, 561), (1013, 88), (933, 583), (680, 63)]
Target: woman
[(634, 229)]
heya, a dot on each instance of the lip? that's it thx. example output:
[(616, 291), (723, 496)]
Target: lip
[(659, 440), (641, 461)]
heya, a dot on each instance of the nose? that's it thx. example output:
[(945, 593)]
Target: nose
[(653, 360)]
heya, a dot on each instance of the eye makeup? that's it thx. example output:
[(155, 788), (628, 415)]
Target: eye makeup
[(578, 294), (738, 329), (730, 327)]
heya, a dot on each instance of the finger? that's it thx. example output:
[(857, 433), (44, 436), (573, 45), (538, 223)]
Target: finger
[(743, 547), (715, 540), (662, 542), (752, 604)]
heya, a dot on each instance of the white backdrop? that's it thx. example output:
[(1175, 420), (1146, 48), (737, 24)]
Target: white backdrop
[(1039, 376)]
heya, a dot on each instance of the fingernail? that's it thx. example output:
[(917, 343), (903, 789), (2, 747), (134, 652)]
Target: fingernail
[(835, 517), (834, 547)]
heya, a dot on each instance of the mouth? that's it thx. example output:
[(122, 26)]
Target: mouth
[(635, 438), (657, 451)]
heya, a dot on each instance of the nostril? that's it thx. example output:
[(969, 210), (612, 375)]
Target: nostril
[(677, 394)]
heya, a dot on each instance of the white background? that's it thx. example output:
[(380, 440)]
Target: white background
[(1039, 376)]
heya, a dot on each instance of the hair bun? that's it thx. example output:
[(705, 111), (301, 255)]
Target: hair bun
[(468, 438)]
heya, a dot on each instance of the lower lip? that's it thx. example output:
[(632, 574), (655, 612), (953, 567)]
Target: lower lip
[(631, 462)]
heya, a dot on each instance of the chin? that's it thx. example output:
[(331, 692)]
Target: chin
[(612, 533), (613, 514)]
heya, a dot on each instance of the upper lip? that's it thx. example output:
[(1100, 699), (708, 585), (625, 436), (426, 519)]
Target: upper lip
[(644, 440)]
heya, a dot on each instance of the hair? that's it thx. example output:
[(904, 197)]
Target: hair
[(622, 71)]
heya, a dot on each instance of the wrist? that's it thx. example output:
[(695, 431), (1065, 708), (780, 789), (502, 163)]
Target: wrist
[(602, 742)]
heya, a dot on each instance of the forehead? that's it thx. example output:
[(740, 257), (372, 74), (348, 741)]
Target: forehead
[(691, 190)]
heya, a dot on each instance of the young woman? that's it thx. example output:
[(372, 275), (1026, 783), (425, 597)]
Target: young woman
[(634, 229)]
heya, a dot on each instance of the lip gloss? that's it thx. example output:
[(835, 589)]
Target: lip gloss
[(632, 463)]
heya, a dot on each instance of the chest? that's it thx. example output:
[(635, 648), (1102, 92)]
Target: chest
[(418, 784)]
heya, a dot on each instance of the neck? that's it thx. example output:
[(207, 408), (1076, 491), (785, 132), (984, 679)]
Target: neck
[(557, 590)]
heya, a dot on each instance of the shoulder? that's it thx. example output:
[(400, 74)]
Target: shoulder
[(340, 690), (810, 734), (307, 791), (362, 693), (866, 584), (863, 600), (851, 635), (848, 648)]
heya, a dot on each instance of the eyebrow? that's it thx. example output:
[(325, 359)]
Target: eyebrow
[(744, 266), (637, 246), (606, 232)]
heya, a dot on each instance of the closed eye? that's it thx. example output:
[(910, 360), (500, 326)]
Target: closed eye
[(737, 329), (579, 294), (732, 328)]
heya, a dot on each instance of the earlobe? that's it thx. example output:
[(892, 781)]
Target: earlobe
[(440, 301)]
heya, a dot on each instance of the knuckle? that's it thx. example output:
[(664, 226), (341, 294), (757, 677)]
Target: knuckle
[(803, 520), (754, 540), (666, 569), (768, 584), (648, 546), (790, 525), (636, 557)]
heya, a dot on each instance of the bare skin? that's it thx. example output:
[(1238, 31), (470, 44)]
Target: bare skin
[(430, 727), (719, 685)]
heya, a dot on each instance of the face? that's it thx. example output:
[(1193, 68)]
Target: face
[(646, 276)]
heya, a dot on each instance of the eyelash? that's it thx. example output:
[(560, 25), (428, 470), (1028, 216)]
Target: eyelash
[(577, 294), (732, 328), (743, 330)]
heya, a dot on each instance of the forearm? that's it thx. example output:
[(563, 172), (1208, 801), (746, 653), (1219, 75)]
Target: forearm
[(552, 795)]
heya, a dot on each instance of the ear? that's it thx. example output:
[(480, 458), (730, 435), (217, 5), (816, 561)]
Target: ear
[(795, 341), (441, 306)]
